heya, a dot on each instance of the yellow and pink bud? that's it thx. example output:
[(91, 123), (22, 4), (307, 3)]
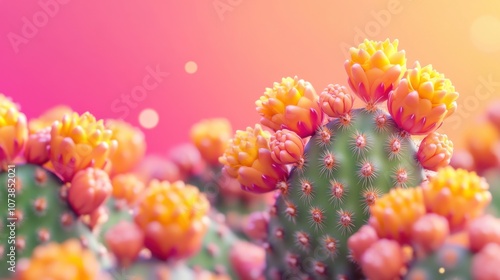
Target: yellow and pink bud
[(37, 147), (435, 151), (286, 147), (89, 189)]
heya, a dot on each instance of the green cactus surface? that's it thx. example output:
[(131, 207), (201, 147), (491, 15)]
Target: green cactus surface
[(347, 166), (37, 210), (143, 269)]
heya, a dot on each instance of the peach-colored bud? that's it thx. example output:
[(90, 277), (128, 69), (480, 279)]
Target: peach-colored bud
[(430, 232), (384, 260), (359, 242), (257, 226), (286, 147), (125, 240), (374, 69), (248, 260), (188, 160), (435, 151), (483, 230), (485, 263), (335, 101), (37, 147), (462, 159), (291, 104), (127, 187), (89, 189), (422, 100)]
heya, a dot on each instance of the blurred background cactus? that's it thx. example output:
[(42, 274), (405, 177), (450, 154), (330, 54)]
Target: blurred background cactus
[(351, 182)]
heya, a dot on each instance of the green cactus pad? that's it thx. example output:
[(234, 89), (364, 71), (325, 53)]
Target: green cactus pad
[(152, 270), (347, 166), (42, 216)]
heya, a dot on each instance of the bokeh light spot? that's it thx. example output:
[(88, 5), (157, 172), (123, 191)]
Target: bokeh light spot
[(485, 33), (148, 118), (191, 67)]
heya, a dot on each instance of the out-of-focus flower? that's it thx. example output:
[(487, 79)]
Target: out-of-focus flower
[(393, 215), (37, 147), (430, 232), (335, 101), (68, 260), (458, 195), (131, 146), (383, 260), (13, 131), (422, 100), (249, 160), (483, 230), (125, 240), (291, 104), (188, 160), (159, 168), (435, 151), (78, 142), (374, 69), (462, 159), (493, 114), (482, 140), (485, 263), (48, 118), (286, 147), (360, 241), (256, 227), (211, 137), (89, 189), (176, 211), (248, 260), (127, 187)]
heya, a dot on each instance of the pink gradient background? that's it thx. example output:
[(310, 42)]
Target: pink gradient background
[(91, 52)]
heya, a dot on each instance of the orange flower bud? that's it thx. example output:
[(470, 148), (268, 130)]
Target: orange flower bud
[(89, 189), (125, 240), (435, 151), (335, 101), (485, 263), (37, 147), (430, 232), (211, 137), (374, 69), (458, 195), (131, 146), (383, 260), (359, 242), (127, 187), (422, 100), (483, 230), (291, 104), (175, 210), (286, 147), (249, 160)]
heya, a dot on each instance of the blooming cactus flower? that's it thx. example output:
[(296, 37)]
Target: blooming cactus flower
[(13, 131), (68, 260), (78, 142), (393, 215), (37, 147), (286, 147), (335, 101), (211, 137), (48, 118), (291, 104), (458, 195), (435, 151), (249, 160), (127, 187), (173, 217), (423, 99), (89, 189), (131, 146), (125, 240), (374, 69)]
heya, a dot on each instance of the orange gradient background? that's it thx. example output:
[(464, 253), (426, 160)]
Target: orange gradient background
[(221, 55)]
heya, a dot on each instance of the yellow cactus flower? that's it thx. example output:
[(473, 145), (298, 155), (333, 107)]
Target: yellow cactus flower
[(13, 131), (131, 146), (78, 142), (61, 262), (176, 211), (211, 137), (374, 69), (55, 113), (393, 215), (423, 99), (435, 151), (291, 104), (248, 159), (458, 195)]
